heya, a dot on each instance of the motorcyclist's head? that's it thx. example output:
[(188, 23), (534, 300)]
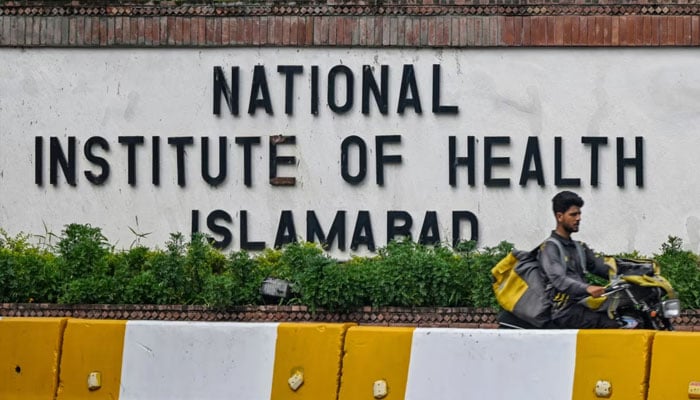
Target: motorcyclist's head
[(567, 211)]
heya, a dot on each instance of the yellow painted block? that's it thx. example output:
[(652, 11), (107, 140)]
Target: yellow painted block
[(30, 350), (619, 357), (91, 347), (675, 365), (312, 353), (374, 354)]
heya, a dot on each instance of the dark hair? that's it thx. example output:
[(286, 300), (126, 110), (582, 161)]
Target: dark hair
[(564, 200)]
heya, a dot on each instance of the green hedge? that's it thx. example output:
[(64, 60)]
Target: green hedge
[(81, 267)]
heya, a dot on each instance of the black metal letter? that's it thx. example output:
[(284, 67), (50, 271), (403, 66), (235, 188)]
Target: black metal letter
[(289, 71), (369, 84), (595, 142), (314, 230), (247, 143), (490, 161), (230, 93), (56, 156), (180, 143), (437, 108), (637, 161), (408, 81), (344, 168), (457, 218), (99, 161), (223, 145), (131, 142), (532, 153), (393, 230), (382, 159), (349, 93), (558, 161), (469, 160), (259, 85)]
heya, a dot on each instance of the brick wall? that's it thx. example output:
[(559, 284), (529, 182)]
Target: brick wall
[(452, 317), (396, 23)]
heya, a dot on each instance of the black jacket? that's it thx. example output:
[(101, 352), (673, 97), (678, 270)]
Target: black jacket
[(568, 282)]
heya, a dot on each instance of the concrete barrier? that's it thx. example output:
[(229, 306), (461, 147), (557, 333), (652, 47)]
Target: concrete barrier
[(675, 366), (455, 364), (91, 347), (71, 359), (200, 360), (30, 350)]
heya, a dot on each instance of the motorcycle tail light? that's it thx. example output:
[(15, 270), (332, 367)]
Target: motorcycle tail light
[(671, 308)]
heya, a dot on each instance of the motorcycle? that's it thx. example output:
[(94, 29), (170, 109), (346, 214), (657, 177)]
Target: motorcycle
[(637, 296)]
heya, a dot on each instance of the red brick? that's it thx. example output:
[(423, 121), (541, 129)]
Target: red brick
[(670, 38), (103, 32), (177, 31), (141, 30), (79, 30), (286, 28), (646, 29), (352, 36), (363, 31), (559, 28), (309, 30), (567, 26), (440, 37), (110, 30), (217, 31), (527, 31), (202, 30), (332, 30), (538, 31), (72, 30), (695, 30), (194, 30), (508, 34), (278, 39), (434, 31), (378, 27), (371, 27), (264, 26), (599, 30), (638, 30), (687, 30), (134, 30), (208, 31), (386, 28), (400, 31), (294, 31), (411, 31), (550, 30), (235, 30), (517, 22), (117, 38), (494, 31), (302, 31), (325, 29), (591, 31), (615, 30), (423, 31), (56, 34), (629, 30), (454, 31), (680, 26), (316, 39), (246, 25), (171, 27), (225, 31), (147, 31)]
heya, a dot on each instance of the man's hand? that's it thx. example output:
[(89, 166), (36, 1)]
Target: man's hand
[(595, 291)]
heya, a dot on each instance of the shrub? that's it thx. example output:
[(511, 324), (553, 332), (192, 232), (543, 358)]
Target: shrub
[(83, 267)]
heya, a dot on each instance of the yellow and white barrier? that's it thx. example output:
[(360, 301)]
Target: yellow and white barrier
[(675, 366), (71, 359), (200, 360), (446, 364), (30, 351)]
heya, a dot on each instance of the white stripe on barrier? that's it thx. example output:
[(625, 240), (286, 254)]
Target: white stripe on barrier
[(449, 364), (198, 360)]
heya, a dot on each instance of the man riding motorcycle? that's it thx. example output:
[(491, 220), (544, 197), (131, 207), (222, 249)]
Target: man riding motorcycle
[(567, 274)]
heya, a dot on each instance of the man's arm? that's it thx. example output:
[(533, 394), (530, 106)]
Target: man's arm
[(595, 263), (556, 272)]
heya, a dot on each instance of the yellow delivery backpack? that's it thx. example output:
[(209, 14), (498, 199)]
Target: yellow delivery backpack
[(521, 286)]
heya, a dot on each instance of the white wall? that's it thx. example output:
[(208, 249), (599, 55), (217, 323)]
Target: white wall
[(628, 93)]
